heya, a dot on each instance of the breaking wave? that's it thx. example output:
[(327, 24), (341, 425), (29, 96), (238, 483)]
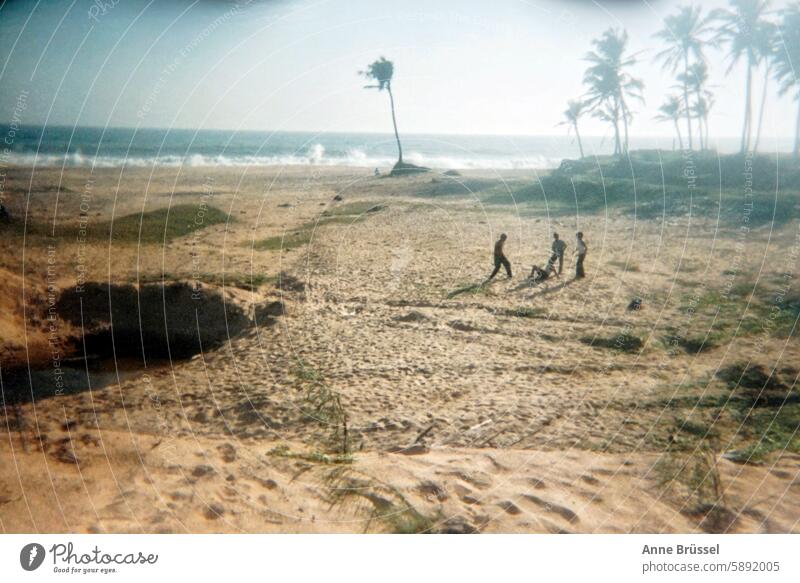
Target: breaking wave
[(315, 156)]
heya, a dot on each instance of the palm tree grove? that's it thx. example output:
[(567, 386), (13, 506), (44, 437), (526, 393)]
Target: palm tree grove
[(746, 32)]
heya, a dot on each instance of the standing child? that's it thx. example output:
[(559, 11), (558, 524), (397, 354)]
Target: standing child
[(500, 257), (581, 250), (559, 247)]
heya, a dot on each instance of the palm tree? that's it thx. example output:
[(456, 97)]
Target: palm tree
[(685, 33), (785, 61), (609, 115), (382, 72), (696, 80), (765, 45), (610, 85), (575, 110), (701, 109), (672, 110), (740, 29)]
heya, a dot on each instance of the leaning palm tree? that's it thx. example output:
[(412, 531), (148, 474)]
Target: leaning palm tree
[(382, 71), (610, 86), (740, 29), (573, 113), (785, 61), (685, 33), (672, 111)]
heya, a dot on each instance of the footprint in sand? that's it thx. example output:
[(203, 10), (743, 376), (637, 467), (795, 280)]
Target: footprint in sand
[(562, 511), (510, 507)]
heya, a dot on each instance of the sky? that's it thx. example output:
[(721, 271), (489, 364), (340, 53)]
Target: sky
[(461, 66)]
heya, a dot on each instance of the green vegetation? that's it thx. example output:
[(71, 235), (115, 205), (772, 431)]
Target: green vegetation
[(160, 225), (747, 411), (470, 288), (354, 210), (694, 482), (653, 183), (314, 457), (323, 406), (151, 227), (626, 265), (287, 242), (767, 430), (693, 344), (622, 342), (345, 214), (747, 308), (383, 502), (526, 312)]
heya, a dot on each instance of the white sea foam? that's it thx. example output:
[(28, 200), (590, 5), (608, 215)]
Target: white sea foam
[(315, 156)]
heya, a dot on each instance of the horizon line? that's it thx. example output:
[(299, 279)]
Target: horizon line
[(364, 132)]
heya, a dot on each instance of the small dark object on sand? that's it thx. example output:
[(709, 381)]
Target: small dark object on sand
[(635, 305), (338, 198)]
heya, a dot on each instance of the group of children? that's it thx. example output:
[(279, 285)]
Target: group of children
[(538, 274)]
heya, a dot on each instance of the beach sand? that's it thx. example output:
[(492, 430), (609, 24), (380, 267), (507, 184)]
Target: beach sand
[(385, 390)]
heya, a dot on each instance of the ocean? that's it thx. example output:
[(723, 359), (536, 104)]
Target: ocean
[(115, 147)]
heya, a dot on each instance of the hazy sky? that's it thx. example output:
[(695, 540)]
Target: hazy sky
[(462, 66)]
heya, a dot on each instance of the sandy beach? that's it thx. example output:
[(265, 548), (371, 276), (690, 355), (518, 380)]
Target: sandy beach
[(352, 375)]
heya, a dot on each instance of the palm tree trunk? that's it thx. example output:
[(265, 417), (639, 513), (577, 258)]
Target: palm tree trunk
[(747, 99), (625, 124), (394, 122), (699, 122), (797, 131), (767, 70), (705, 123), (686, 97), (678, 131), (578, 135)]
